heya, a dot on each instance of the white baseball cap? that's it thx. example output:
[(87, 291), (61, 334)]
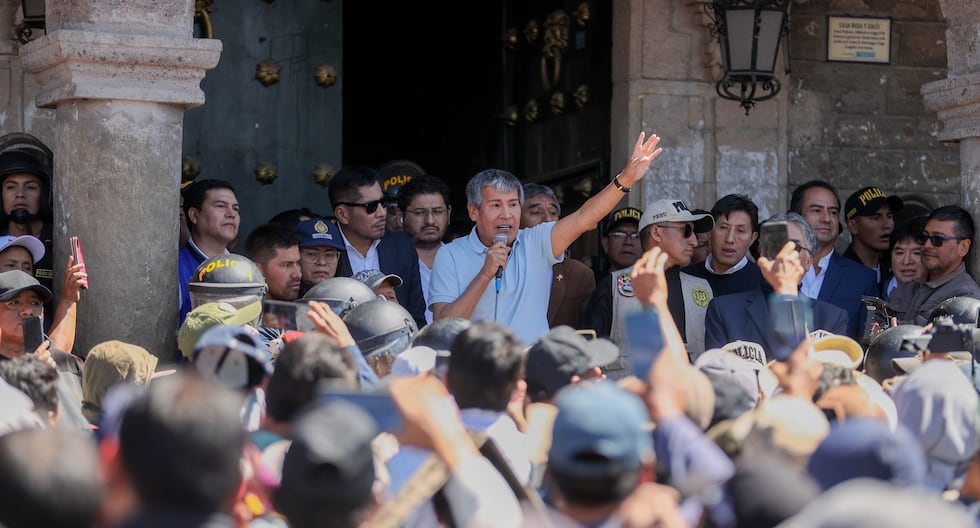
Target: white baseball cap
[(32, 244), (668, 210)]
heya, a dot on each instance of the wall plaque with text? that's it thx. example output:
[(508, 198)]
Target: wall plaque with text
[(859, 39)]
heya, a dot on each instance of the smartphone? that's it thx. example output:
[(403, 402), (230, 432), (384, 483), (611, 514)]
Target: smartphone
[(790, 321), (644, 340), (379, 405), (772, 237), (285, 315), (33, 333), (76, 253)]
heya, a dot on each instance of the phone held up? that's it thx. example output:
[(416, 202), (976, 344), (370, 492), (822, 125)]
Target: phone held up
[(76, 254), (772, 237), (644, 340), (790, 320), (33, 333), (379, 405)]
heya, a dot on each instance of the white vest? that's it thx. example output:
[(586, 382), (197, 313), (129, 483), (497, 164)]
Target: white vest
[(697, 293)]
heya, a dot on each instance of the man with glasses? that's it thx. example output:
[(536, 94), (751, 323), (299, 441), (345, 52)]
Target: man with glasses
[(320, 247), (669, 225), (745, 316), (946, 240), (621, 243), (358, 203), (425, 211)]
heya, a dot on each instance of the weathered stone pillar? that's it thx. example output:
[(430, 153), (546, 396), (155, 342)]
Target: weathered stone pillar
[(120, 74), (956, 101)]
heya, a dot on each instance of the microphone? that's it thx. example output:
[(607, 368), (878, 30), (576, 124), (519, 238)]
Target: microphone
[(499, 238)]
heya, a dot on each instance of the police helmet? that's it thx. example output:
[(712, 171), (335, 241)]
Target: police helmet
[(382, 329), (963, 310), (229, 278), (342, 294), (887, 346), (234, 356), (22, 153), (439, 334)]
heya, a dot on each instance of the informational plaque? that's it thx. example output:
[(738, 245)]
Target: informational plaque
[(859, 39)]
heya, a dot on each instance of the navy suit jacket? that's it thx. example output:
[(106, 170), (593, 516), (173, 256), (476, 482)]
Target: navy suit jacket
[(846, 281), (745, 316), (397, 255)]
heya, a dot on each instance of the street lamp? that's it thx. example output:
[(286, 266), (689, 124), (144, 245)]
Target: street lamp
[(33, 19), (748, 32)]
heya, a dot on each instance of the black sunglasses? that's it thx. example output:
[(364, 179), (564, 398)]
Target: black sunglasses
[(688, 229), (936, 240), (369, 207)]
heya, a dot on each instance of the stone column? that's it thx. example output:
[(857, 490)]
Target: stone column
[(956, 101), (120, 74)]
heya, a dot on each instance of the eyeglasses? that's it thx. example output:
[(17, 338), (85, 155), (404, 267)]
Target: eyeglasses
[(936, 240), (422, 212), (688, 229), (369, 207), (799, 247), (313, 256), (619, 235)]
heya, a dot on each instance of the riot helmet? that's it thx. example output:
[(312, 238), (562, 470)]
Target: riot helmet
[(439, 334), (342, 294), (887, 346), (22, 153), (382, 329), (963, 310), (229, 278)]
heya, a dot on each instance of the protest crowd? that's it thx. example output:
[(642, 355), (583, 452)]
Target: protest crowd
[(375, 366)]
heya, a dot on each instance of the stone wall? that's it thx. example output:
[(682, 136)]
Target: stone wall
[(857, 124)]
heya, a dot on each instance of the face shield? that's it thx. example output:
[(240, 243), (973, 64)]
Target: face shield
[(237, 295)]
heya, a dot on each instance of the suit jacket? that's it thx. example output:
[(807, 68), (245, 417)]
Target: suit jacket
[(572, 283), (745, 316), (397, 255), (846, 281)]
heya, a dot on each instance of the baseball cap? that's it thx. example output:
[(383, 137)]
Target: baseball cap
[(747, 350), (15, 282), (414, 361), (32, 244), (562, 353), (232, 356), (669, 210), (374, 278), (868, 200), (735, 382), (200, 319), (317, 232), (624, 214), (329, 459), (863, 447), (599, 431)]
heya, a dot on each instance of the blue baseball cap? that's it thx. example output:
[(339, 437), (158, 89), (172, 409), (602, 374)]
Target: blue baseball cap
[(599, 432), (318, 232)]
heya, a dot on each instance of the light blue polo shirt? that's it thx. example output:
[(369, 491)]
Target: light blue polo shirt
[(525, 288)]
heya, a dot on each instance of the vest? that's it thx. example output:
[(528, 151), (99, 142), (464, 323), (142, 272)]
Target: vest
[(697, 294)]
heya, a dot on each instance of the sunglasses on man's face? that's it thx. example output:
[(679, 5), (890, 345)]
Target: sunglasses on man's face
[(369, 207), (688, 229), (935, 240)]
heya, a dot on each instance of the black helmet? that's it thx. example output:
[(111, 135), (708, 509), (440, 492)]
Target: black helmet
[(22, 153), (382, 329), (439, 334), (963, 310), (229, 278), (341, 293), (887, 346)]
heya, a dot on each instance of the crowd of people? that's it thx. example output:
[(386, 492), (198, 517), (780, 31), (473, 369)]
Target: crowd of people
[(368, 367)]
